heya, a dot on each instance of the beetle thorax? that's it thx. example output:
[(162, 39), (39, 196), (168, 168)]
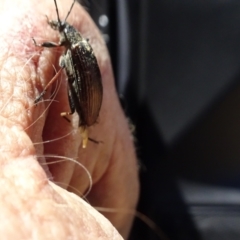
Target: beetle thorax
[(71, 35)]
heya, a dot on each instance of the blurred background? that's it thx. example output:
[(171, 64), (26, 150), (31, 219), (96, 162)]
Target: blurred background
[(177, 67)]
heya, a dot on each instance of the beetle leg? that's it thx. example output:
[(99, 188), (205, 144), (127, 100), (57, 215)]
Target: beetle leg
[(47, 86), (84, 134), (72, 106), (94, 141), (83, 129), (47, 44)]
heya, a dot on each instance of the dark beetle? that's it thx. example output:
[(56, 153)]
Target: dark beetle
[(85, 89)]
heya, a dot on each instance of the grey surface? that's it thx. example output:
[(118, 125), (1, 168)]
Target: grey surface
[(215, 210), (193, 56)]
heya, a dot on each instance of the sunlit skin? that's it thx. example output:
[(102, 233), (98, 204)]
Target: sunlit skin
[(31, 204)]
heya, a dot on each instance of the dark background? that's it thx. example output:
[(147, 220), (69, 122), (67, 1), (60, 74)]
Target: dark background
[(177, 64)]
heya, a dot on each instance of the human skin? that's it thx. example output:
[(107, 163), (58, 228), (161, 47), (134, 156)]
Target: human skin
[(35, 197)]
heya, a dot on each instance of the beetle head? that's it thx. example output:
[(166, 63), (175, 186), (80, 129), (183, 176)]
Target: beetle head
[(57, 25)]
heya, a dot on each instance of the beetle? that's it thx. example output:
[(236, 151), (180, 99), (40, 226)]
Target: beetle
[(85, 90)]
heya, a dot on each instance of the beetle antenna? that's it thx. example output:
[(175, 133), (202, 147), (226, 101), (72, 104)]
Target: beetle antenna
[(57, 11), (69, 10)]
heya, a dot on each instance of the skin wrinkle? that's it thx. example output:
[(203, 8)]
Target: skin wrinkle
[(93, 213), (31, 206)]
